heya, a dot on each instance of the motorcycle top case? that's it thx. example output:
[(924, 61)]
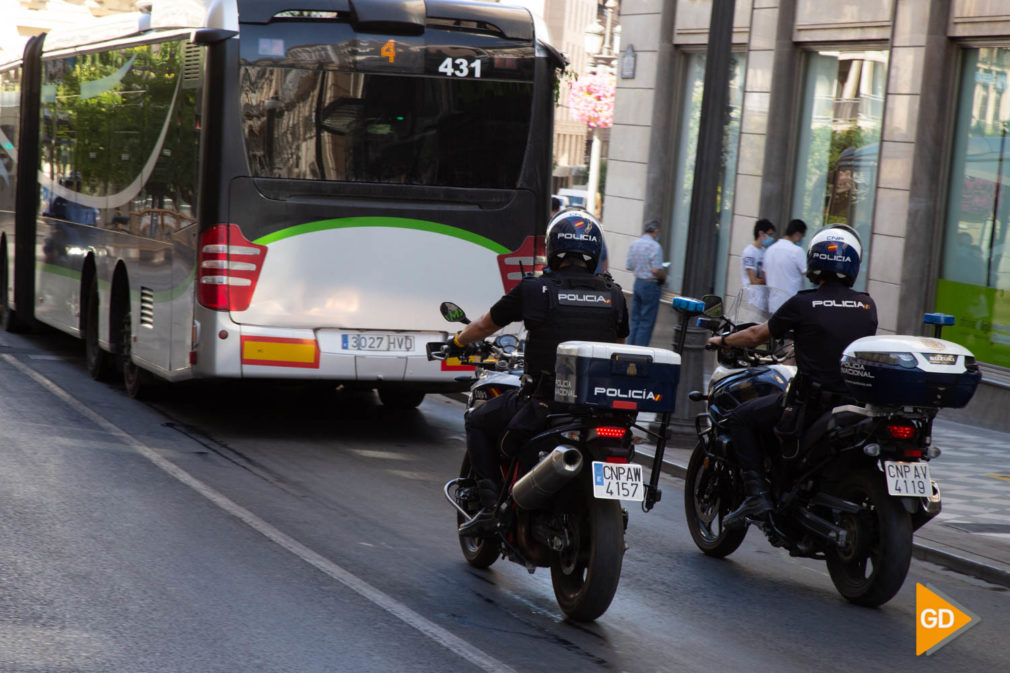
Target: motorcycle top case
[(616, 376), (910, 371)]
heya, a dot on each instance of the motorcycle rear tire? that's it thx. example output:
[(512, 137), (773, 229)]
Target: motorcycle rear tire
[(872, 566), (585, 577), (478, 552), (706, 491)]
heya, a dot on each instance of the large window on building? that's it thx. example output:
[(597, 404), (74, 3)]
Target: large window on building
[(974, 283), (683, 183), (839, 144)]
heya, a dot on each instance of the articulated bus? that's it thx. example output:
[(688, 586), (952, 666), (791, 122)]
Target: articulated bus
[(274, 189)]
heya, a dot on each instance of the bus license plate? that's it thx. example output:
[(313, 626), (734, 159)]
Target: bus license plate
[(908, 479), (618, 481), (399, 343)]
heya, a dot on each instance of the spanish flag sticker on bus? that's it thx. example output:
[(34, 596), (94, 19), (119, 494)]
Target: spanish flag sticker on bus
[(280, 352), (938, 620)]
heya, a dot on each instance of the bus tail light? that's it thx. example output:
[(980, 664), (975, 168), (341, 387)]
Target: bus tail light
[(229, 267), (528, 258)]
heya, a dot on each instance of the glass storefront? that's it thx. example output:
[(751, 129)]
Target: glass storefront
[(687, 147), (839, 143), (974, 283)]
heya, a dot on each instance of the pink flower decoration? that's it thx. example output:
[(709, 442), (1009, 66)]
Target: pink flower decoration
[(591, 100)]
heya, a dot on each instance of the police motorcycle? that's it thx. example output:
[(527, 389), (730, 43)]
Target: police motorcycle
[(853, 487), (560, 506)]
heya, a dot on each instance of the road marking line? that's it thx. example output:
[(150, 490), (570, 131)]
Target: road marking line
[(446, 639)]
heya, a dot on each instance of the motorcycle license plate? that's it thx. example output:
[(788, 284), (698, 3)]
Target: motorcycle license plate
[(908, 479), (618, 481)]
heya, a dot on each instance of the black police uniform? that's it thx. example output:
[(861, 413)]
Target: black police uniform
[(824, 321), (564, 305)]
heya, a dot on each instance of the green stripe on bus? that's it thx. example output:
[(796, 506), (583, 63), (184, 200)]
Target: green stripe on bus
[(390, 222)]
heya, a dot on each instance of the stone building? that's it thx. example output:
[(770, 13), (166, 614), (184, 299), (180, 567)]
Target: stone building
[(887, 115), (24, 18)]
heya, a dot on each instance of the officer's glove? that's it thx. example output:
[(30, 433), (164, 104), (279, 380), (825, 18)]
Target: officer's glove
[(456, 350)]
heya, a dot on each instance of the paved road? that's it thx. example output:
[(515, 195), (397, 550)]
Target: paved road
[(319, 541)]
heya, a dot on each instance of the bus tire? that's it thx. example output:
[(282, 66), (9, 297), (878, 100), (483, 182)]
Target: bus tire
[(401, 398), (136, 380), (8, 317), (97, 361)]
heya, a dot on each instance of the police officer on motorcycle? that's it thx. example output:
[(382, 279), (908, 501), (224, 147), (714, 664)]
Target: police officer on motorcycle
[(568, 302), (824, 321)]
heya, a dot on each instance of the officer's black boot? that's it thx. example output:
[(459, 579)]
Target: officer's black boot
[(755, 505), (485, 521)]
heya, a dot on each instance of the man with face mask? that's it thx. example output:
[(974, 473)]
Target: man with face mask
[(753, 303), (645, 260)]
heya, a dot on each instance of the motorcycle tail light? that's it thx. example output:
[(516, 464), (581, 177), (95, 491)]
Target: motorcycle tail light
[(617, 459), (900, 431), (611, 432), (912, 453)]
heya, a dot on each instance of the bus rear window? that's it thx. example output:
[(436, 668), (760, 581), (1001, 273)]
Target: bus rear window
[(311, 124)]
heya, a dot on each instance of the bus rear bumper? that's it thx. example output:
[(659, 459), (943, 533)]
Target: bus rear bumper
[(242, 351)]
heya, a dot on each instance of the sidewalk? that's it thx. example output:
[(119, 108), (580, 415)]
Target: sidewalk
[(971, 535)]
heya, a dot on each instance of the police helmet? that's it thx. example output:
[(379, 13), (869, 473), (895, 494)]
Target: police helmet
[(834, 255), (574, 232)]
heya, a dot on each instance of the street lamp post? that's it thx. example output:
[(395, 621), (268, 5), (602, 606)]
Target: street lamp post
[(601, 52)]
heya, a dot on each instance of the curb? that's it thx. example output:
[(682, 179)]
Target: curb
[(931, 553)]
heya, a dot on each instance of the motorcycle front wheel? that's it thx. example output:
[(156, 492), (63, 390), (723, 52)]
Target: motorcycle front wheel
[(478, 552), (708, 498), (871, 567), (586, 572)]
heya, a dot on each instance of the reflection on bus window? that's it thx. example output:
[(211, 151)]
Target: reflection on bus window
[(120, 130), (310, 125)]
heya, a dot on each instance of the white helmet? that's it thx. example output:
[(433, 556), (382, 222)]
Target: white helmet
[(834, 253)]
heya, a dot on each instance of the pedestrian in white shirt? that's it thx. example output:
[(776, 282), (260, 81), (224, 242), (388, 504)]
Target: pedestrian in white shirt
[(753, 302), (785, 264)]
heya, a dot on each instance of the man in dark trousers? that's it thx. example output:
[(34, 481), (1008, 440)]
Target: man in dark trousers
[(824, 321), (568, 302)]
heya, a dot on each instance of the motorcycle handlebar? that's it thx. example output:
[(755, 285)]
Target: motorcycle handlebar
[(438, 350)]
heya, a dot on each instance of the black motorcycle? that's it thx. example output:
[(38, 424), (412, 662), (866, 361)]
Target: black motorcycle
[(560, 505), (855, 483)]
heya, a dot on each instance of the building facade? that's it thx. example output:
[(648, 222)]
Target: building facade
[(890, 116), (25, 18)]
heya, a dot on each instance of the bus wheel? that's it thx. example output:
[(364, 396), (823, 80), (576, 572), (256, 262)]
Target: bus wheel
[(134, 378), (401, 398), (97, 361), (8, 318)]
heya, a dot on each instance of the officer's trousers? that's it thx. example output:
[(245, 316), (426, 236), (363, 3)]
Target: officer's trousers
[(750, 424)]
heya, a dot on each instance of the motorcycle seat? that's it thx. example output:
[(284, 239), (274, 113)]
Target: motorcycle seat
[(555, 420), (827, 422)]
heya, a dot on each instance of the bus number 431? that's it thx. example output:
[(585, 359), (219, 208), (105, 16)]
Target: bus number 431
[(460, 67)]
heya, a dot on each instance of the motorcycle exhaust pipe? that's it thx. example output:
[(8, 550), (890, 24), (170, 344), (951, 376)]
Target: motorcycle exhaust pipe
[(537, 486)]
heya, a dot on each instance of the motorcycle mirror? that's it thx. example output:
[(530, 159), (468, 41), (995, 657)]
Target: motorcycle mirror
[(713, 306), (453, 313)]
